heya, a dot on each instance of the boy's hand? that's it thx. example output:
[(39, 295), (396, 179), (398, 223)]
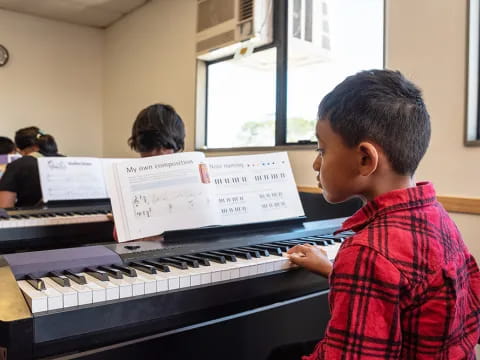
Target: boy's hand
[(312, 258)]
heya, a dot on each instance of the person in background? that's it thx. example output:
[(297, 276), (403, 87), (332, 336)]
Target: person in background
[(7, 146), (7, 153), (404, 286), (20, 184), (157, 130)]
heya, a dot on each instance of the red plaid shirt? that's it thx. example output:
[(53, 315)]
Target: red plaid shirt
[(404, 286)]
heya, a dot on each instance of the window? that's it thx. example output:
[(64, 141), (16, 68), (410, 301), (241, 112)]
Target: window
[(472, 125), (270, 97)]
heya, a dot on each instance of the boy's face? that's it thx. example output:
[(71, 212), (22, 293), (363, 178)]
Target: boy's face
[(336, 165)]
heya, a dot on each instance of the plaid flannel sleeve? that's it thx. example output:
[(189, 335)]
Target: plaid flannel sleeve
[(365, 308)]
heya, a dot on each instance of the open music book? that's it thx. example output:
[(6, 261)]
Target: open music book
[(187, 190)]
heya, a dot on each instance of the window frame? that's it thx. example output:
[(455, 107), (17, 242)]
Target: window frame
[(472, 102), (280, 42)]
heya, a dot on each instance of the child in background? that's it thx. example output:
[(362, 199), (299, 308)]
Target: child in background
[(20, 184), (157, 130), (7, 146), (7, 149), (405, 285)]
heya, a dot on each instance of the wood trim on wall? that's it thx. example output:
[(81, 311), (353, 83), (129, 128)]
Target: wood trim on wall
[(465, 205), (455, 204)]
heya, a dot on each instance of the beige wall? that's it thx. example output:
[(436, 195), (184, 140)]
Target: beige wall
[(149, 58), (53, 80)]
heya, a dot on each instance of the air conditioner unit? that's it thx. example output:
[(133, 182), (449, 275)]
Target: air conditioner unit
[(223, 24)]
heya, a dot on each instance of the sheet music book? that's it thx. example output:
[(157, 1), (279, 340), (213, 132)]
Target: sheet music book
[(71, 178), (187, 190)]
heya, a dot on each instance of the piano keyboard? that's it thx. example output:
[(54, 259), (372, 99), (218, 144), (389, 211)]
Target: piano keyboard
[(53, 218), (67, 289)]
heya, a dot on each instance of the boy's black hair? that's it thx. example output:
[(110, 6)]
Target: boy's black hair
[(157, 126), (7, 146), (33, 136), (384, 107), (27, 137)]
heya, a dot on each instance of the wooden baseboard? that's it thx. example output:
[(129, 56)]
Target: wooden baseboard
[(455, 204)]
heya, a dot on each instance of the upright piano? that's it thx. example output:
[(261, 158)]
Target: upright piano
[(206, 294)]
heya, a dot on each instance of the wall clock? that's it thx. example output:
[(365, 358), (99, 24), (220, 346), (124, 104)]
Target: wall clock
[(3, 55)]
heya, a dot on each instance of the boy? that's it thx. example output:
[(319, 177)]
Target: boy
[(404, 286), (157, 130)]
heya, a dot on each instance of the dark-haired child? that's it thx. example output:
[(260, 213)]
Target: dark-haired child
[(7, 146), (157, 130), (405, 285), (20, 184)]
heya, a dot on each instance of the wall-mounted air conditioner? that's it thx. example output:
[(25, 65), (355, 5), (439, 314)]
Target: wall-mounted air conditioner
[(223, 24)]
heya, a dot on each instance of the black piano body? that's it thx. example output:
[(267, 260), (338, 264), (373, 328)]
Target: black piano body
[(236, 319), (55, 225)]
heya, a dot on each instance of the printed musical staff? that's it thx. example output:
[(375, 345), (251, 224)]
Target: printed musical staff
[(230, 180), (233, 210), (270, 177)]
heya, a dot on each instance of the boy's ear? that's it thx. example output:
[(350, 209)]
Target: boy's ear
[(368, 158)]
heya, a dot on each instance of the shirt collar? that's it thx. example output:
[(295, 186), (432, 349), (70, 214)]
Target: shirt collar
[(421, 195), (35, 154)]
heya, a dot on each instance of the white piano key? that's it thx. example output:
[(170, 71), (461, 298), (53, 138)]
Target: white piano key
[(183, 276), (70, 297), (161, 280), (54, 298), (138, 285), (195, 279), (112, 291), (99, 293), (206, 278), (124, 288), (172, 279), (150, 283), (36, 300), (84, 293)]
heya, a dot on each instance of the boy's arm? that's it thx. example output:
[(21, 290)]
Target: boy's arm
[(365, 307)]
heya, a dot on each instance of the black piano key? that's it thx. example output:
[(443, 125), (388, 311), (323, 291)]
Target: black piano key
[(314, 241), (263, 251), (59, 279), (229, 257), (339, 238), (176, 263), (327, 240), (217, 258), (190, 262), (160, 266), (96, 274), (282, 247), (296, 242), (201, 260), (274, 250), (79, 279), (130, 272), (115, 273), (254, 252), (238, 252), (149, 269), (35, 282)]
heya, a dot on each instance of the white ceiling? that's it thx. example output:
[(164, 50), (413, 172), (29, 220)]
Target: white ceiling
[(97, 13)]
